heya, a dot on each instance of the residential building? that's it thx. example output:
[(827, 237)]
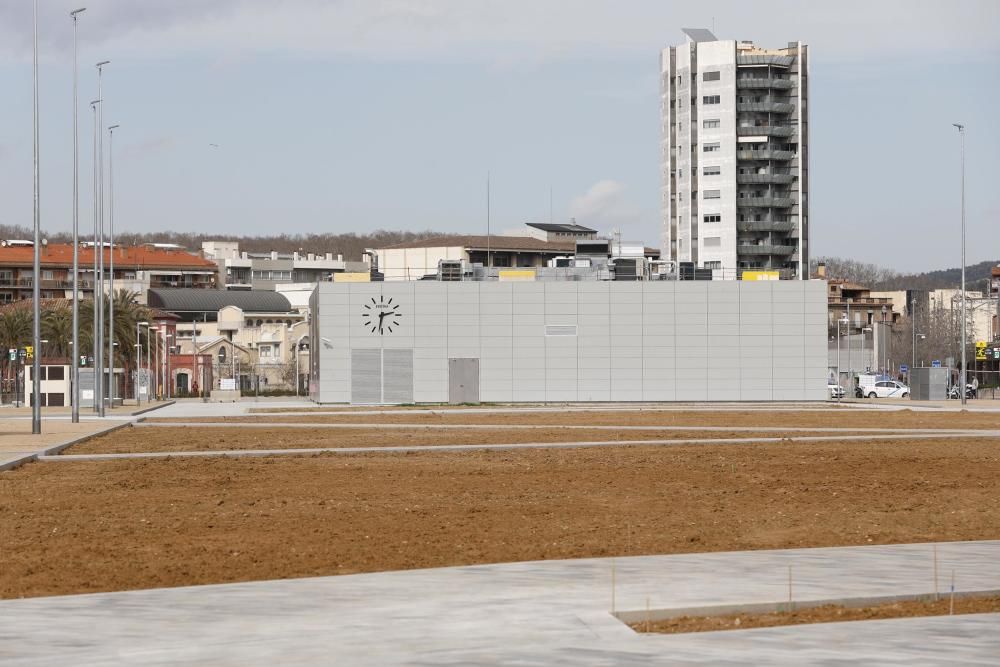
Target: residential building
[(735, 156), (249, 335), (255, 270), (865, 306), (135, 268)]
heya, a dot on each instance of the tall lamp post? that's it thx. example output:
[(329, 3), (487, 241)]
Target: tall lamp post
[(75, 379), (961, 132), (138, 360), (168, 380), (94, 281), (111, 266), (153, 360), (99, 302), (885, 342), (36, 330), (850, 369)]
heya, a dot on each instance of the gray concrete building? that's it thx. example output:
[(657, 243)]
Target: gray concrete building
[(430, 342), (735, 156)]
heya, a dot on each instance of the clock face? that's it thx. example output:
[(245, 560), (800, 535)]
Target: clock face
[(381, 316)]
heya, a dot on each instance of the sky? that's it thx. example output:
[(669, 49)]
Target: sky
[(287, 116)]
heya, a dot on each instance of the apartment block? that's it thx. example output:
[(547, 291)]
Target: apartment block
[(735, 156)]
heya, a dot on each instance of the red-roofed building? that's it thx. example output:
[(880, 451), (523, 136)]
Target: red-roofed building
[(137, 269)]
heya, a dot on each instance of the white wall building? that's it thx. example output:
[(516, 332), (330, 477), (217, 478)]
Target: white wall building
[(734, 156)]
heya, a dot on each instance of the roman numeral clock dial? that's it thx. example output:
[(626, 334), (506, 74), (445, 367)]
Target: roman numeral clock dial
[(381, 316)]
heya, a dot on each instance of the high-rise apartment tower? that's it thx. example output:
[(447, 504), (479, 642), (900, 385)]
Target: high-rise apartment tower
[(735, 156)]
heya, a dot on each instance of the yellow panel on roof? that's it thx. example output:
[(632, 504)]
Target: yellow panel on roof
[(514, 275), (761, 275), (352, 277)]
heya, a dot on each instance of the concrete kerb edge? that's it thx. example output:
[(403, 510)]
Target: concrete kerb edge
[(654, 615), (55, 449), (152, 408)]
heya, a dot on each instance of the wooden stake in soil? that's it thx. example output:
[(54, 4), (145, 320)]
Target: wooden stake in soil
[(648, 620), (936, 598)]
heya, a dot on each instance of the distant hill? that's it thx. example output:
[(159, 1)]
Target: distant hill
[(878, 278), (976, 278)]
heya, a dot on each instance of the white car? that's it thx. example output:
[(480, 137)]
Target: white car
[(887, 389), (836, 391)]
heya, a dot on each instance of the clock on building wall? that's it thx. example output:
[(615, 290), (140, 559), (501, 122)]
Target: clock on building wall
[(381, 316)]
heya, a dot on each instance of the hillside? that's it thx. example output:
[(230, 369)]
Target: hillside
[(976, 278)]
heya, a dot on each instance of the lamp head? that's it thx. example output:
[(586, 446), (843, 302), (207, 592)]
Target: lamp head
[(102, 64), (77, 11), (961, 128), (113, 127)]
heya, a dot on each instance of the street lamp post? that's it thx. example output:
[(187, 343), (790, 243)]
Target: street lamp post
[(75, 399), (152, 360), (850, 369), (138, 360), (885, 342), (961, 132), (94, 281), (111, 266), (99, 302), (168, 380), (36, 330)]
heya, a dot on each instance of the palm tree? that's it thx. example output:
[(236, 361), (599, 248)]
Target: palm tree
[(15, 332), (57, 329)]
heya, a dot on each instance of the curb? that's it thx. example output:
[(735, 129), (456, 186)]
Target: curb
[(55, 449)]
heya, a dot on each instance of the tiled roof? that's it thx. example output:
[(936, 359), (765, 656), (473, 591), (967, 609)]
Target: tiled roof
[(498, 243), (141, 257)]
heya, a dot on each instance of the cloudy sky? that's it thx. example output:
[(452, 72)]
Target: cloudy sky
[(352, 115)]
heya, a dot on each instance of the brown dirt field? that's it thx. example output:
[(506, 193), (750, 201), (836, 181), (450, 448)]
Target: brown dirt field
[(191, 438), (824, 614), (74, 527), (748, 418)]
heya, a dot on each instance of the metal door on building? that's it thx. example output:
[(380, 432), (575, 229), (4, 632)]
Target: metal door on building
[(463, 381), (381, 376)]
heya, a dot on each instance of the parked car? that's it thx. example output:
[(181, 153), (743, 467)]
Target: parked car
[(836, 391), (887, 389)]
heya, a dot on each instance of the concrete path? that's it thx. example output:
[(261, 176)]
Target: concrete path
[(538, 613), (569, 427), (65, 458), (18, 445)]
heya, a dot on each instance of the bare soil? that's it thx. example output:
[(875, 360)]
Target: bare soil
[(824, 614), (75, 527), (191, 438), (743, 418)]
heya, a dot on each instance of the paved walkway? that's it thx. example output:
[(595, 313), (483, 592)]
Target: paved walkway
[(18, 444), (538, 613)]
